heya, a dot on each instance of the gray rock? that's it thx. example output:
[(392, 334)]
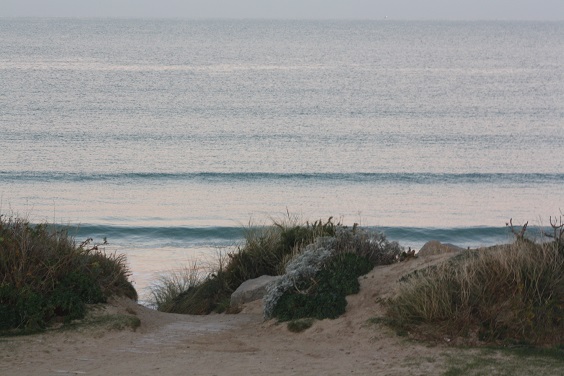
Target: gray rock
[(251, 290), (435, 247)]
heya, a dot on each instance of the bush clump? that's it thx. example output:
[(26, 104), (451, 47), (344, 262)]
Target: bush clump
[(265, 252), (44, 275), (507, 294), (327, 254), (324, 296), (300, 271), (318, 280)]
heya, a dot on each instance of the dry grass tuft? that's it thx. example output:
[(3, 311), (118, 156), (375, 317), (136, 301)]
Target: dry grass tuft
[(507, 294)]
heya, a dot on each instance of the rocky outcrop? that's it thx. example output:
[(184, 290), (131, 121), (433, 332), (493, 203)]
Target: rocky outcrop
[(435, 247), (251, 290)]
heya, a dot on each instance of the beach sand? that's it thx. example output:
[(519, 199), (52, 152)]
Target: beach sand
[(237, 344)]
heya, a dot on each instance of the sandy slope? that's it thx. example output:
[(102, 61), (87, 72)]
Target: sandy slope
[(242, 344)]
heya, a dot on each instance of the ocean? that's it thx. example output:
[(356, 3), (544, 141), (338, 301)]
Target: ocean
[(170, 137)]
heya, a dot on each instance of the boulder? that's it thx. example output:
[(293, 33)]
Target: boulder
[(251, 290), (435, 247)]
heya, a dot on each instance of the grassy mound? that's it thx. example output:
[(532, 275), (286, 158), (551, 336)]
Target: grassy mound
[(45, 276), (505, 294), (268, 251), (265, 252)]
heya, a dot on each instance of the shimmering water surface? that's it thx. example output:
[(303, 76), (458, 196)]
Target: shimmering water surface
[(167, 136)]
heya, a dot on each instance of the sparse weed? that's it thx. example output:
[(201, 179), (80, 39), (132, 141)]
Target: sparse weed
[(298, 326), (169, 285), (518, 361)]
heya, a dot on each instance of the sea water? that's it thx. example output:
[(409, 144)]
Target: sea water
[(170, 137)]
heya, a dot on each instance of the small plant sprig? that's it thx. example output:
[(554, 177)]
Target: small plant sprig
[(519, 235), (94, 247), (558, 232)]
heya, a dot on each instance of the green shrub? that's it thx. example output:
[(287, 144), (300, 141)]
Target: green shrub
[(44, 274), (324, 296), (510, 294), (319, 305), (342, 273), (317, 280)]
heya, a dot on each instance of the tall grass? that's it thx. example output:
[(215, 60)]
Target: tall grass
[(171, 284), (509, 294), (44, 274)]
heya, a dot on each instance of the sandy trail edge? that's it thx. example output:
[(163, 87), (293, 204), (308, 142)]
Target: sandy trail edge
[(242, 344)]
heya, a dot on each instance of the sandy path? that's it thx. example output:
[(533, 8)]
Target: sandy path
[(242, 344)]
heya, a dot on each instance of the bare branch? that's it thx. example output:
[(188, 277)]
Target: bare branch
[(558, 227), (521, 234)]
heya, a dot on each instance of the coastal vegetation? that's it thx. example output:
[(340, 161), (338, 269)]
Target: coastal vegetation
[(320, 261), (317, 281), (46, 277), (264, 250), (506, 294), (509, 294)]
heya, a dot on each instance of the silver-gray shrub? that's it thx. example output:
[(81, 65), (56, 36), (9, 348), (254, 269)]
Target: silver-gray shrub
[(372, 245), (301, 268), (369, 244)]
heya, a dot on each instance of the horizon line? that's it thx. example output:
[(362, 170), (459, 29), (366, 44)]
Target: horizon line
[(345, 19)]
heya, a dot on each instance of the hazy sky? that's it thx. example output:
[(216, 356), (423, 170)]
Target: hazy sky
[(295, 9)]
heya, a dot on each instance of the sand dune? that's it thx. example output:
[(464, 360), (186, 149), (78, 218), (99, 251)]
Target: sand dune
[(241, 344)]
